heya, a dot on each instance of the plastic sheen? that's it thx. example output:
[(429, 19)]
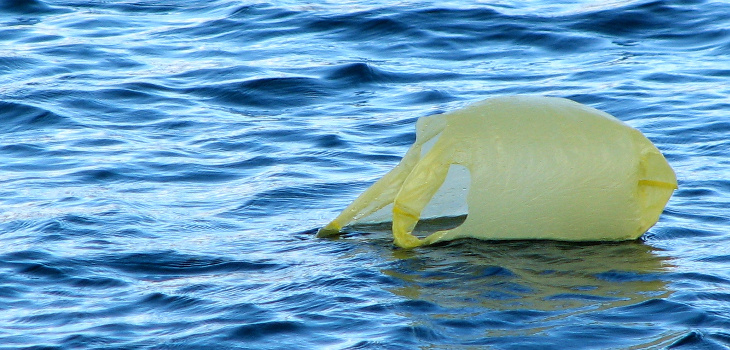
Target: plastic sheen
[(540, 168)]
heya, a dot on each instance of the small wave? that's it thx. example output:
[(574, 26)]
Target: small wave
[(276, 201), (363, 26), (171, 302), (22, 149), (22, 117), (171, 264), (702, 340), (28, 7), (359, 73), (352, 75), (641, 19), (428, 97), (41, 270), (9, 64), (265, 92), (688, 26), (263, 330), (101, 175)]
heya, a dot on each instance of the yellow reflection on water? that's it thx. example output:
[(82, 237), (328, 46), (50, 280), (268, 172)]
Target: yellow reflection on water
[(537, 275)]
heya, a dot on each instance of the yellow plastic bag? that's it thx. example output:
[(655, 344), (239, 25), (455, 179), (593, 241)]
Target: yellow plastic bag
[(531, 168)]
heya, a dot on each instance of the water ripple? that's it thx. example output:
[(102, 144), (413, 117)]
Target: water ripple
[(164, 167)]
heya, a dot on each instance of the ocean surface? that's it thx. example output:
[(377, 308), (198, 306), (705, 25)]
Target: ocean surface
[(164, 166)]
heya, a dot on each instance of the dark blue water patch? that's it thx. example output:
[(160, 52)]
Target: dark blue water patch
[(366, 157), (133, 8), (51, 161), (248, 25), (22, 117), (705, 132), (708, 298), (140, 92), (418, 306), (687, 232), (393, 139), (598, 336), (363, 26), (478, 26), (707, 38), (633, 20), (23, 255), (143, 95), (21, 149), (104, 175), (698, 277), (41, 270), (452, 18), (80, 52), (280, 200), (10, 64), (209, 29), (239, 143), (597, 74), (699, 340), (97, 282), (360, 74), (27, 261), (165, 264), (526, 35), (260, 330), (674, 78), (91, 110), (427, 97), (7, 292), (692, 26), (459, 25), (277, 135), (152, 50), (581, 297), (701, 190), (334, 283), (71, 226), (152, 172), (191, 78), (177, 303), (197, 175), (414, 334), (255, 141), (260, 161), (721, 338), (273, 333), (717, 258), (628, 276), (243, 313), (104, 27), (330, 141), (309, 304), (388, 343), (658, 309), (260, 11), (29, 7), (98, 142), (265, 92), (78, 341), (39, 39)]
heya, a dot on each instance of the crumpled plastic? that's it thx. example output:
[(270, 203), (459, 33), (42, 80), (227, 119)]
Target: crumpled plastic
[(532, 167)]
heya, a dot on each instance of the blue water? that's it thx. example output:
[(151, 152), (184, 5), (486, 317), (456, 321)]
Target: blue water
[(165, 164)]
